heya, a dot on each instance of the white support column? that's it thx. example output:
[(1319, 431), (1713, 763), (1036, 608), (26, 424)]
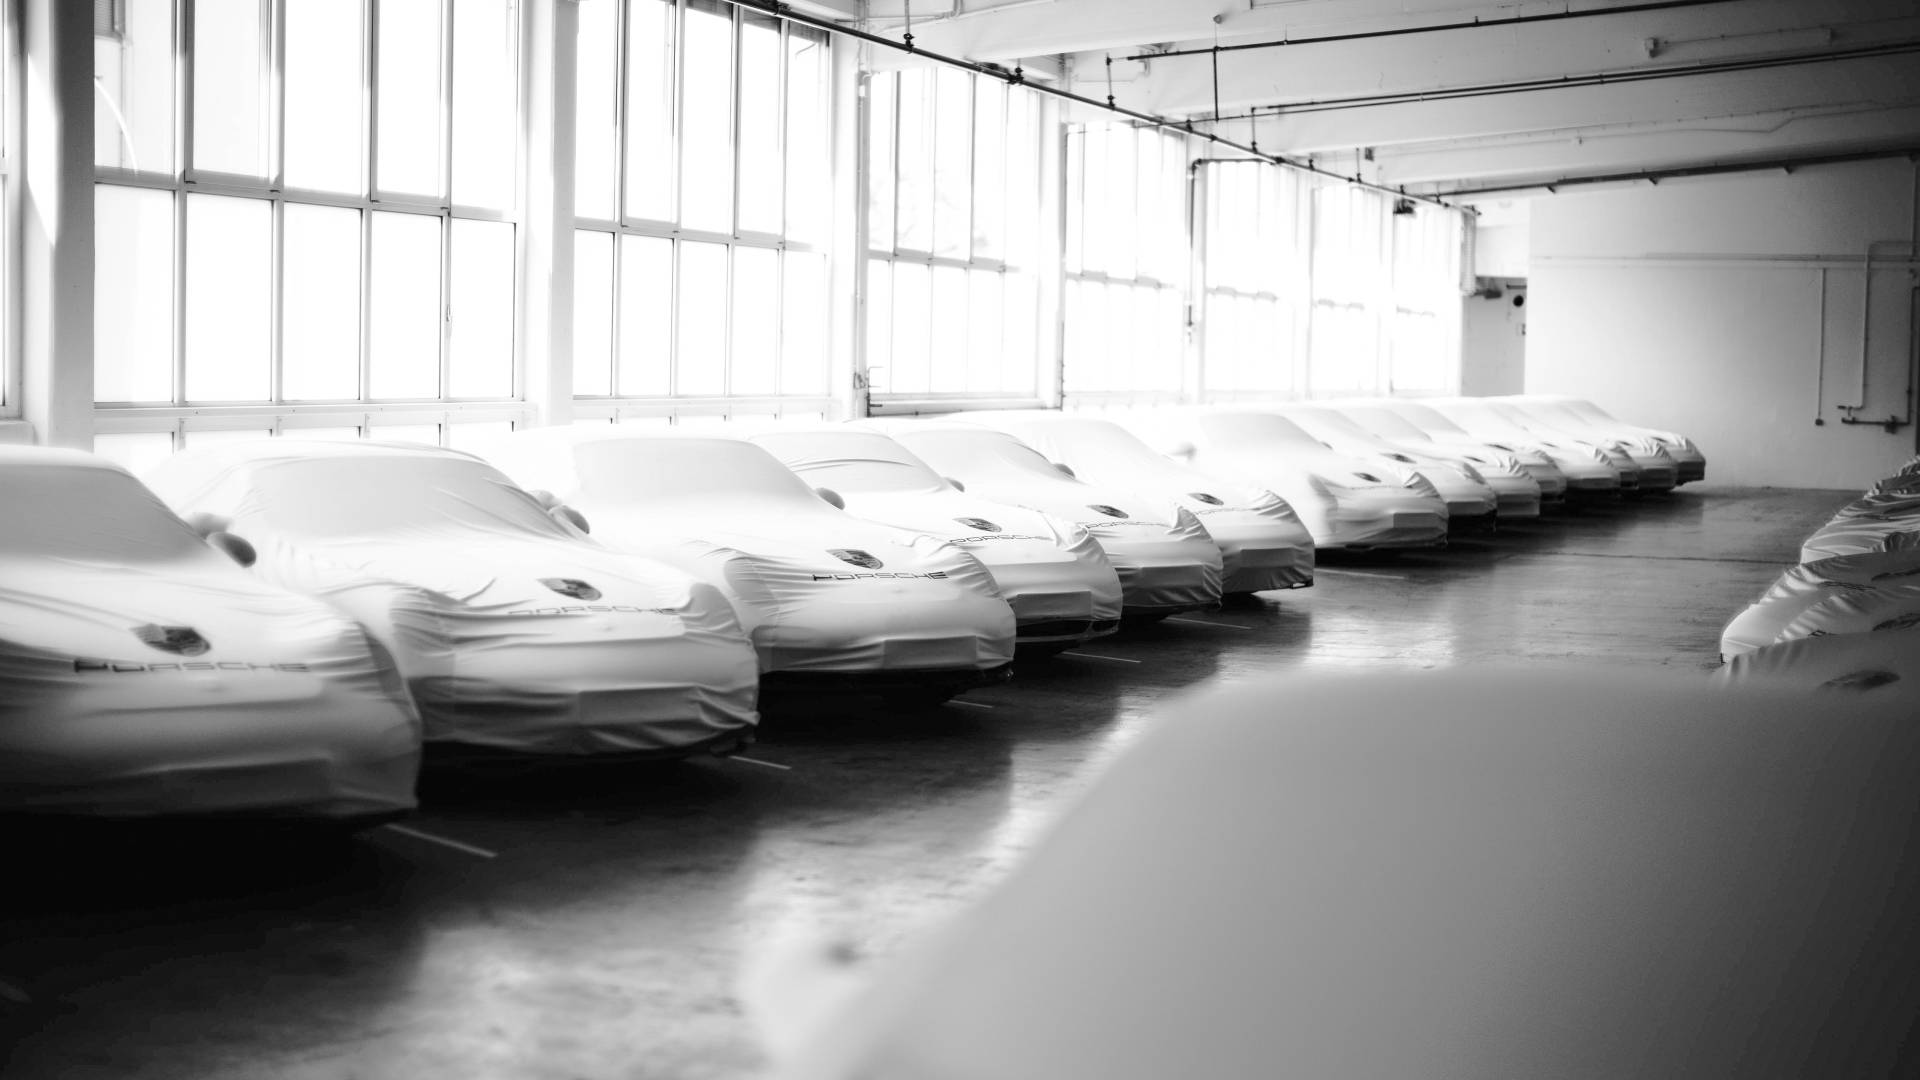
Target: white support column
[(546, 332), (847, 259), (56, 278)]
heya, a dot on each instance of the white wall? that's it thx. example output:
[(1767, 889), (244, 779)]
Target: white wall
[(1708, 306), (1493, 346)]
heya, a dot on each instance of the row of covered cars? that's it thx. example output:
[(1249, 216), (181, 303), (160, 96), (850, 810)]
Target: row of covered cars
[(1848, 615), (275, 626)]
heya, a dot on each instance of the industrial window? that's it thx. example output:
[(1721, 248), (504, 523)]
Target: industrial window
[(1352, 290), (702, 209), (1126, 259), (306, 217), (1423, 343), (953, 222), (1253, 306)]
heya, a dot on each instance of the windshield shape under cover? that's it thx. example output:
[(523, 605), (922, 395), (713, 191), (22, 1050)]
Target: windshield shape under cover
[(643, 470), (343, 497), (1256, 431), (88, 514), (851, 461)]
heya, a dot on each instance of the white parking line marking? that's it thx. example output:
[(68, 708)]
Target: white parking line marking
[(970, 704), (1097, 656), (1208, 622), (756, 761), (430, 838)]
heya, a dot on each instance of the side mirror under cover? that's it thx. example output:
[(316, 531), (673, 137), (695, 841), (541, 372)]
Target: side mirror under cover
[(571, 516), (233, 547), (831, 498)]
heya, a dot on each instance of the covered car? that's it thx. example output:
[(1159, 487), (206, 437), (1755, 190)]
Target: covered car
[(1579, 414), (828, 598), (144, 673), (1883, 664), (1486, 872), (1400, 432), (1886, 518), (1588, 470), (513, 629), (1263, 544), (1166, 559), (1797, 602), (1052, 573), (1472, 500), (1345, 504), (1642, 472)]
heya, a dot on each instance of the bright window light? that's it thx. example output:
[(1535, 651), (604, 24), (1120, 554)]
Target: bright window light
[(320, 319), (229, 88), (404, 310), (324, 76), (133, 313), (409, 102), (229, 293)]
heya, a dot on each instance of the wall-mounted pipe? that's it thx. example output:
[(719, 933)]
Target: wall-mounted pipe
[(1820, 353)]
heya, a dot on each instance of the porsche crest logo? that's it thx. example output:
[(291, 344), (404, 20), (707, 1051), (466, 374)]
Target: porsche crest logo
[(856, 557), (1107, 510), (573, 587), (1210, 500), (978, 523), (183, 640)]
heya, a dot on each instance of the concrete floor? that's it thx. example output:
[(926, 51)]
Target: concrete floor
[(592, 922)]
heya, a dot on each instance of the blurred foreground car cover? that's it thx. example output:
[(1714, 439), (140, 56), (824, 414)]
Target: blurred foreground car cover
[(1886, 662), (1468, 873), (144, 673)]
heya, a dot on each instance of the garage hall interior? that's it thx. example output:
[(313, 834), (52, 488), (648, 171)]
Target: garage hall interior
[(443, 222)]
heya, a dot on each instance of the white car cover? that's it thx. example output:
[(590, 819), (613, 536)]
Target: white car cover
[(513, 629), (1167, 561), (1511, 873), (1053, 574), (1649, 470), (1344, 503), (1263, 544), (1588, 471), (1577, 414), (1470, 496), (1885, 664), (1397, 430), (1884, 519), (143, 673), (1804, 589), (822, 592)]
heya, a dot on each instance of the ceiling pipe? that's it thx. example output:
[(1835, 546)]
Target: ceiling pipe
[(1564, 82), (1015, 78), (1476, 24), (1911, 153)]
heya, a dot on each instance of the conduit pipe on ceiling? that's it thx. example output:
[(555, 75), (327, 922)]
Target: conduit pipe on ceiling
[(1552, 186), (1015, 78), (1568, 82), (1476, 24)]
